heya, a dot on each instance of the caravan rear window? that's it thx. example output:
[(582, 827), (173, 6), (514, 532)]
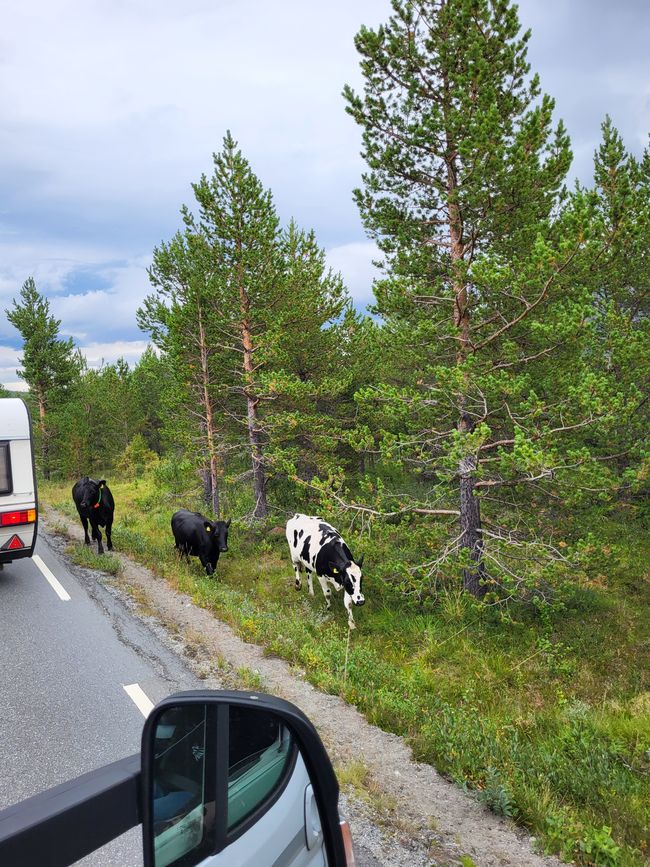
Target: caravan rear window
[(5, 470)]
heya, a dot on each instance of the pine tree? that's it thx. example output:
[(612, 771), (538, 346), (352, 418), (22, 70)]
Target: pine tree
[(620, 276), (49, 364), (240, 227), (181, 318), (308, 377), (484, 302)]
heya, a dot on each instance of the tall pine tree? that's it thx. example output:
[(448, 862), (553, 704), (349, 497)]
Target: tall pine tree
[(484, 309)]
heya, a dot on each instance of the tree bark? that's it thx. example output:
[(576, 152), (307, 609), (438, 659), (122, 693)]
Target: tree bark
[(254, 434), (40, 398), (470, 525), (211, 475), (471, 537)]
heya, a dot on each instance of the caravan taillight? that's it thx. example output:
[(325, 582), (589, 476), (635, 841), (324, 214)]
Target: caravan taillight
[(11, 519)]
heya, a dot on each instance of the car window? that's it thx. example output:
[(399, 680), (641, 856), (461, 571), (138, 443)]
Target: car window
[(5, 469), (261, 751)]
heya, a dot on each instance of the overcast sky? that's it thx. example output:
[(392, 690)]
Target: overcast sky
[(109, 109)]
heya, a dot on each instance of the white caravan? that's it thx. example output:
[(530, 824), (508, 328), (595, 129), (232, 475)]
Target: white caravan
[(18, 507)]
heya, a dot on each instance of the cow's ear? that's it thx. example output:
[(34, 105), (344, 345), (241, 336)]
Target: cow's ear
[(208, 526), (228, 522), (101, 482), (360, 561)]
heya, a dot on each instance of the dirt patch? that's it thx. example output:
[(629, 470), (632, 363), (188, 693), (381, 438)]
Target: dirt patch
[(419, 818)]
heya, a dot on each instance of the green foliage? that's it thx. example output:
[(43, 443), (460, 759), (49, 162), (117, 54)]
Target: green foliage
[(136, 459), (544, 716), (496, 796), (49, 364)]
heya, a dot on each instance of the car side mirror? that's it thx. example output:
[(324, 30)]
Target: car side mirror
[(241, 774)]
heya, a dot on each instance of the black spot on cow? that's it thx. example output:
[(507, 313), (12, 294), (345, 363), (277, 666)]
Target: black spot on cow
[(334, 556), (295, 538), (305, 549), (327, 532), (300, 534)]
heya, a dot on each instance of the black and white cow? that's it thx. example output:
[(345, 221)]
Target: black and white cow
[(194, 534), (318, 548), (96, 506)]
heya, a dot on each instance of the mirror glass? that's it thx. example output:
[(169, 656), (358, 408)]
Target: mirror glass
[(181, 800), (216, 770)]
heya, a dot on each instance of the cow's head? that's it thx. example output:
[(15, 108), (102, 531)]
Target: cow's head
[(218, 530), (348, 573), (89, 494)]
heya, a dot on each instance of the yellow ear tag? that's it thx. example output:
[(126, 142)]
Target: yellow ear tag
[(207, 529), (335, 571)]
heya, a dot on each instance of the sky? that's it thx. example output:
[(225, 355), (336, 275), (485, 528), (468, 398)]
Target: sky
[(110, 109)]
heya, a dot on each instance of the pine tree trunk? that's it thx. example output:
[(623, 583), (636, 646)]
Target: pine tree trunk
[(254, 434), (470, 525), (40, 397), (259, 476), (211, 477), (471, 537)]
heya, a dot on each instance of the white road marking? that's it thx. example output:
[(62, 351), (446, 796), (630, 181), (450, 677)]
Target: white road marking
[(139, 698), (54, 583)]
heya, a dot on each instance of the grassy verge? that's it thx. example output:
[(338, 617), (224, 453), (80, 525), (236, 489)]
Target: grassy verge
[(547, 720)]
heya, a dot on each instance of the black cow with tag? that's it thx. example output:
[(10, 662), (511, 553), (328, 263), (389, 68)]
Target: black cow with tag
[(96, 507), (197, 536)]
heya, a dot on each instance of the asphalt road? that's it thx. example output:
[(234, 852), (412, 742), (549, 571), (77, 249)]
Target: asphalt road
[(64, 666)]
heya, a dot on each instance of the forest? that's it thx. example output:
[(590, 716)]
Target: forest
[(480, 434)]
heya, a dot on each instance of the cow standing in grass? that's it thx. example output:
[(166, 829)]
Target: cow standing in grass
[(96, 507), (318, 548), (196, 535)]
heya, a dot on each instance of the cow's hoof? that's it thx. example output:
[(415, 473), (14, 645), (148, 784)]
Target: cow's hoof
[(352, 624)]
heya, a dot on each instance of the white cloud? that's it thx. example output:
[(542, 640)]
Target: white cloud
[(8, 368), (98, 354), (355, 262), (104, 312)]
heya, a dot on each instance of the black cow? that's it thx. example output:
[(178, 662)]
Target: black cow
[(204, 539), (96, 505)]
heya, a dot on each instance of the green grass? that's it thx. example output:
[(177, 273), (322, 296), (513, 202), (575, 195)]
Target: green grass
[(546, 719), (86, 555)]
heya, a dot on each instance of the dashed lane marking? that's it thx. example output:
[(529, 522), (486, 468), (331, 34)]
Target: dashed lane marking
[(139, 698), (54, 582)]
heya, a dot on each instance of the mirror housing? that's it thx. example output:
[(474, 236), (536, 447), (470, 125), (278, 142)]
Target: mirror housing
[(201, 723)]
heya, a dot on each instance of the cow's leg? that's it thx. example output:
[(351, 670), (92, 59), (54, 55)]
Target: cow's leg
[(310, 581), (109, 528), (84, 522), (347, 601), (97, 534), (207, 565), (327, 590), (296, 569)]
